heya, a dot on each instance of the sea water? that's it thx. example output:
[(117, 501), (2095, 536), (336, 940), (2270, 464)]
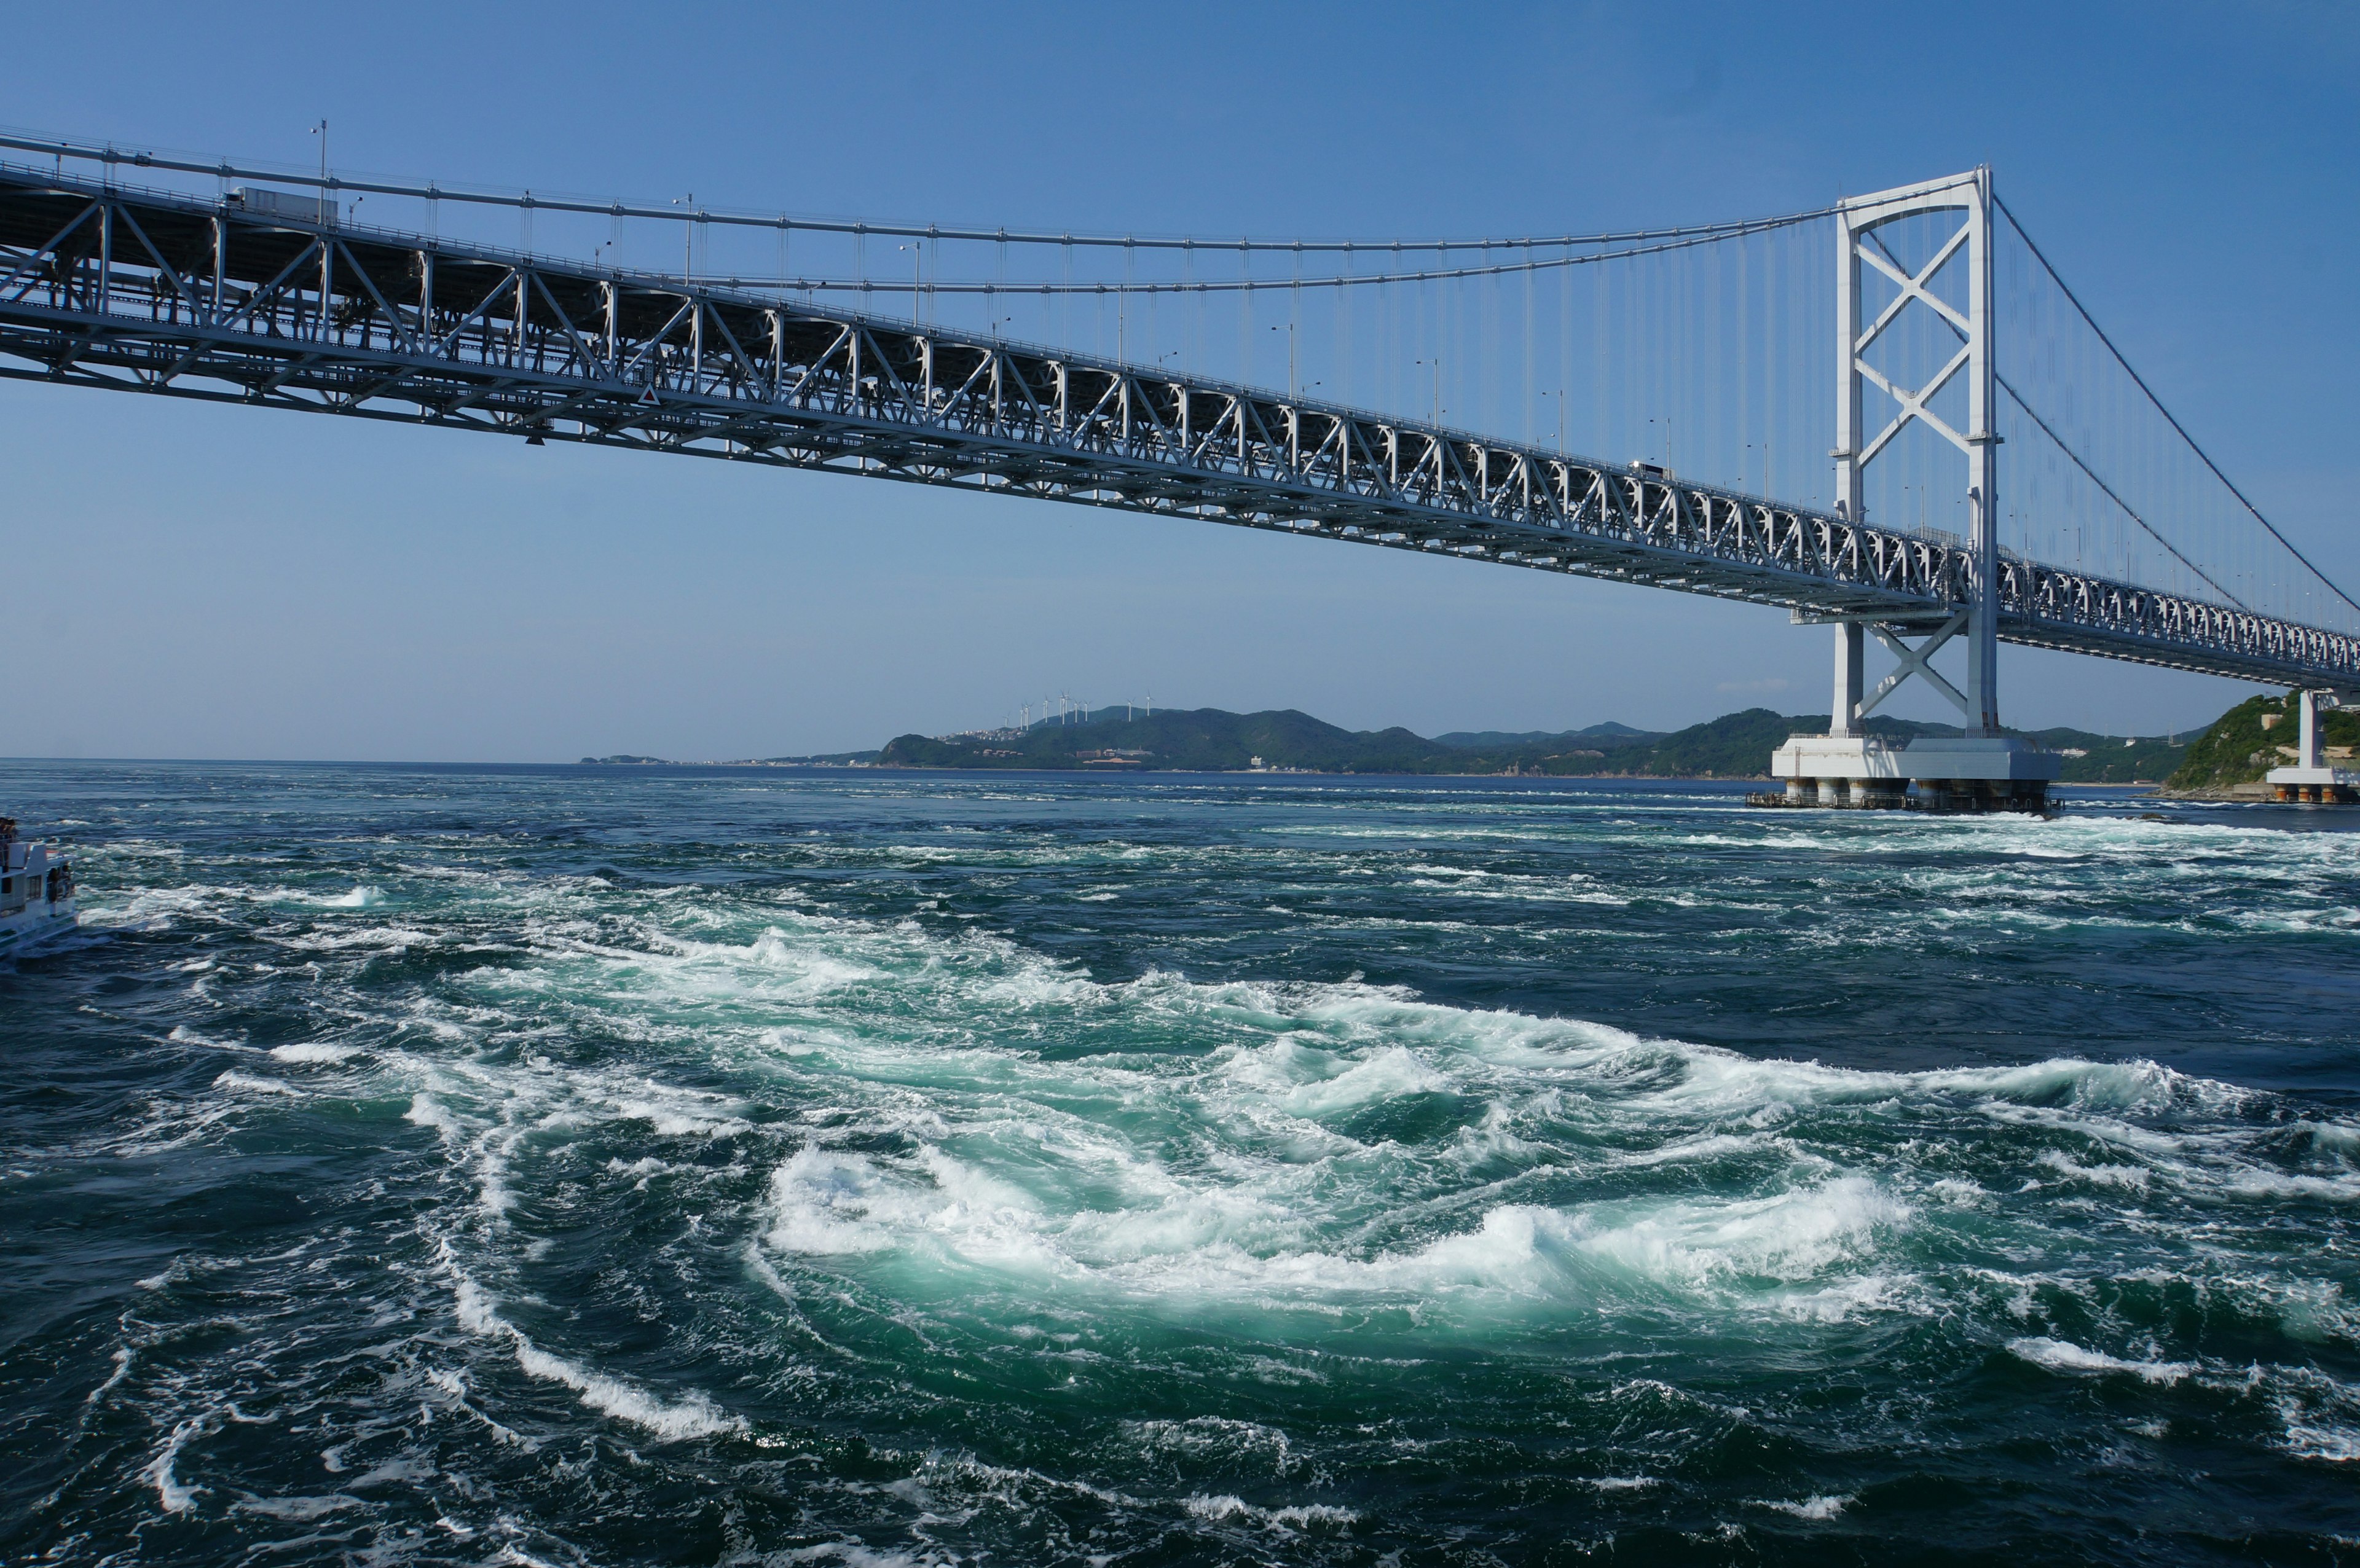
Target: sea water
[(665, 1165)]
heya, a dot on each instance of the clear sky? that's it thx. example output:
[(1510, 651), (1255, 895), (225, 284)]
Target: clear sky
[(222, 581)]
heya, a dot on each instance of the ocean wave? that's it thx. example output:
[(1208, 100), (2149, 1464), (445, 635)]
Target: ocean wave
[(1148, 1223), (688, 1415), (2060, 1356)]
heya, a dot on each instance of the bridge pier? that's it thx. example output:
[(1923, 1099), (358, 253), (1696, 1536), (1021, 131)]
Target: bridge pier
[(1980, 773), (1850, 767), (1950, 774), (1969, 797), (1845, 767), (2311, 780)]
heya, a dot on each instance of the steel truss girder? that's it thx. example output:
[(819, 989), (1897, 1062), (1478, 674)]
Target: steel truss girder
[(154, 291)]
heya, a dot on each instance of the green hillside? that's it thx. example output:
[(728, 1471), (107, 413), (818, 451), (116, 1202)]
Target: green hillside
[(1201, 739), (1735, 746), (1609, 734), (2112, 759), (2239, 749)]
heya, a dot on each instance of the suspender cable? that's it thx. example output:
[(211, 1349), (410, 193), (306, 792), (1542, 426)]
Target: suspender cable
[(2202, 456)]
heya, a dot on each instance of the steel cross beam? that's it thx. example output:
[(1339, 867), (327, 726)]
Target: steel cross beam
[(113, 286), (1913, 661)]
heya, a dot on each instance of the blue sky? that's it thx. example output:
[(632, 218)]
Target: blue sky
[(222, 581)]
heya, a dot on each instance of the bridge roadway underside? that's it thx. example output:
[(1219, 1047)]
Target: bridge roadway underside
[(103, 285)]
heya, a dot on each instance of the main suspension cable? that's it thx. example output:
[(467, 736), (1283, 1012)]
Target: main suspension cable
[(1250, 285), (226, 170), (2202, 456), (2128, 510)]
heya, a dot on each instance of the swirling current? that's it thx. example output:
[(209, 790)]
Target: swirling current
[(425, 1165)]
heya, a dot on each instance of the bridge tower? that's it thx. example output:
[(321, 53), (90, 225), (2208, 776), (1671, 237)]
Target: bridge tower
[(1985, 768)]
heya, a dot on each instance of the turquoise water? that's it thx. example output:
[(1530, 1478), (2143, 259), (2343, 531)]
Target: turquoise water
[(425, 1165)]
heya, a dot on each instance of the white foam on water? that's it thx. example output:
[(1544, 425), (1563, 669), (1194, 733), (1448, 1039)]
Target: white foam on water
[(1217, 1437), (1795, 1234), (855, 1554), (2309, 1436), (427, 1111), (184, 1035), (297, 1509), (668, 1116), (2127, 1178), (823, 1204), (233, 1079), (2064, 1355), (674, 1419), (175, 1498), (314, 1052), (692, 1415), (1390, 1074), (334, 940), (1815, 1507), (493, 1198), (124, 1355), (1709, 1146), (1225, 1507), (2273, 1186), (2339, 1138), (1260, 1209), (1848, 1299), (365, 897), (1200, 1245)]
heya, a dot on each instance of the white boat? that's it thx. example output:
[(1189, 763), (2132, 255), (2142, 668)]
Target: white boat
[(36, 891)]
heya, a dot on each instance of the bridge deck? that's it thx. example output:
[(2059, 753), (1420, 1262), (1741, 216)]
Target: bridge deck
[(103, 285)]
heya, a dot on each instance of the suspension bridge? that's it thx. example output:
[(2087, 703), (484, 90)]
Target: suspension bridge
[(2110, 533)]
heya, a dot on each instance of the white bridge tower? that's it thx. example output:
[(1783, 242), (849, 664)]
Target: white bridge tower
[(1985, 768)]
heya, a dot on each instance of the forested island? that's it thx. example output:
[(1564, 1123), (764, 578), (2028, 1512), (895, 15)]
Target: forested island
[(1734, 746), (2228, 758)]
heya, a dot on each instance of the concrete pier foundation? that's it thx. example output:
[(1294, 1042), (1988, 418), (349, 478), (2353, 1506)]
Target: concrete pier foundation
[(2312, 781), (1851, 772), (1980, 773), (1950, 774), (2340, 787)]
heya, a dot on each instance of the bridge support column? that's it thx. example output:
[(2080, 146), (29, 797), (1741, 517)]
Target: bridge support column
[(1982, 610), (2311, 780), (1850, 640)]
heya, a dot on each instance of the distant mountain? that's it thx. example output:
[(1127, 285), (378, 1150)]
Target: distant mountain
[(1200, 739), (1734, 746), (1608, 734)]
